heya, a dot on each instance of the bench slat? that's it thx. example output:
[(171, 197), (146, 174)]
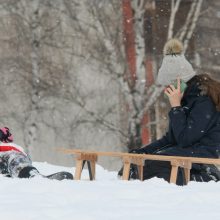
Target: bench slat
[(145, 156)]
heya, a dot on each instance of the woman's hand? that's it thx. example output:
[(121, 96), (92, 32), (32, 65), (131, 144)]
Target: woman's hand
[(174, 94)]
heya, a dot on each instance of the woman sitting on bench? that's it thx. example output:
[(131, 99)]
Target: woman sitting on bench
[(194, 119)]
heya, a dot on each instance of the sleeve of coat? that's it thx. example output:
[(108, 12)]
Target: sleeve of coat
[(189, 129), (154, 146)]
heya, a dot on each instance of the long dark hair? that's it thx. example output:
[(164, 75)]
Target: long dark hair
[(210, 87)]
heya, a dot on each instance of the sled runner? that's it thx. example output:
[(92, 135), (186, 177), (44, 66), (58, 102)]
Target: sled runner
[(91, 158)]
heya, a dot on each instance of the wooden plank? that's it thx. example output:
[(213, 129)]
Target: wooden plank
[(78, 170), (145, 156), (126, 169), (173, 175), (187, 174)]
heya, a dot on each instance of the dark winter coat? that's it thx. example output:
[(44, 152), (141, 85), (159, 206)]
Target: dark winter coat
[(194, 131), (194, 128)]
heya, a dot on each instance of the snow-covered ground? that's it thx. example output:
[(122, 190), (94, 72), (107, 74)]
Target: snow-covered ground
[(106, 198)]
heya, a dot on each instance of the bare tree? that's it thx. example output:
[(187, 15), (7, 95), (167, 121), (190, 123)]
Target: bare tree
[(38, 77), (106, 48)]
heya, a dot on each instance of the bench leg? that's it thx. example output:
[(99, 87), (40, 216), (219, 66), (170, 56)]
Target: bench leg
[(127, 161), (140, 171), (187, 174), (79, 164), (89, 168), (94, 169), (126, 171), (92, 164), (81, 159), (173, 175)]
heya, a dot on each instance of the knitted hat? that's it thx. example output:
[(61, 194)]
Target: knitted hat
[(5, 135), (174, 64)]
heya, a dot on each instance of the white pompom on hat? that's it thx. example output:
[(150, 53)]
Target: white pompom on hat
[(174, 64)]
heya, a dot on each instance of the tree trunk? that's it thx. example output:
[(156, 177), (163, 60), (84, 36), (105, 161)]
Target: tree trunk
[(31, 122)]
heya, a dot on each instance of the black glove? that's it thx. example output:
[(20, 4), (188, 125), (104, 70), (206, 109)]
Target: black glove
[(137, 151)]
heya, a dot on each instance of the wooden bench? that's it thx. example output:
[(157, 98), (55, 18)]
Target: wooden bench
[(91, 158)]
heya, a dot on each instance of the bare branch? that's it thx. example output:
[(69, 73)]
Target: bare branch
[(174, 9), (193, 24), (182, 32)]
